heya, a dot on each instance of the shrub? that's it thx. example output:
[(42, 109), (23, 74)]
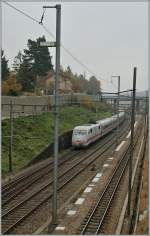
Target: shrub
[(88, 103)]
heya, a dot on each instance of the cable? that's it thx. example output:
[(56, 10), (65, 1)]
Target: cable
[(50, 33), (25, 14), (75, 58)]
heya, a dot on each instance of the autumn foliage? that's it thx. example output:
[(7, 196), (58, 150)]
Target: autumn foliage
[(11, 86)]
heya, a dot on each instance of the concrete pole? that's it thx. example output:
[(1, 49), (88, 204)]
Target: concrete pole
[(56, 129), (132, 140)]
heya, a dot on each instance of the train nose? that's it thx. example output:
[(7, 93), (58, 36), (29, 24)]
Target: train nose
[(78, 141)]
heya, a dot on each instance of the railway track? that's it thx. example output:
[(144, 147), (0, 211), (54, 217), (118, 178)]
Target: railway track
[(14, 215), (17, 185), (11, 189), (94, 222)]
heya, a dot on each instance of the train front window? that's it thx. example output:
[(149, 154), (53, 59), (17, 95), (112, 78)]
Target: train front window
[(79, 132)]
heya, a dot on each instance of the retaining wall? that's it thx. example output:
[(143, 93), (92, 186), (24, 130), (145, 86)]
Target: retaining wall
[(64, 143), (30, 105)]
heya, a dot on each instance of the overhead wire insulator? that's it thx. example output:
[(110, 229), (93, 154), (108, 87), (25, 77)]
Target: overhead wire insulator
[(42, 17)]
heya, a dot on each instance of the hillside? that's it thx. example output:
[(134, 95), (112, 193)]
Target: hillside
[(33, 134)]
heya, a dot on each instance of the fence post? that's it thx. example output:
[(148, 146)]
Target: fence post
[(22, 108), (35, 110)]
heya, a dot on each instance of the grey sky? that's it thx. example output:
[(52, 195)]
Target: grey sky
[(110, 38)]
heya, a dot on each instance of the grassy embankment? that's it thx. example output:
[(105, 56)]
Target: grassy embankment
[(33, 134)]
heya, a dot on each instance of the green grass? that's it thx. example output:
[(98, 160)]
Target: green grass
[(36, 133)]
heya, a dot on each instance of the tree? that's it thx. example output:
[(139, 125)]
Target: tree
[(11, 86), (69, 71), (94, 85), (25, 75), (17, 61), (84, 84), (5, 69), (5, 88), (34, 63), (38, 56)]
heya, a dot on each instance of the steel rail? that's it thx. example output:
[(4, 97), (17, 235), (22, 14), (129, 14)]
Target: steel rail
[(8, 193), (119, 180), (73, 166), (45, 198), (106, 196), (12, 192), (30, 171)]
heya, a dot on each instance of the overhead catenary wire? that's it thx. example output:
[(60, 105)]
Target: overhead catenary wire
[(69, 53), (22, 12), (52, 35)]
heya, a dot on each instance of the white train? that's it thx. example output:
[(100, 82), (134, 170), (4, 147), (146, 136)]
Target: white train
[(86, 134)]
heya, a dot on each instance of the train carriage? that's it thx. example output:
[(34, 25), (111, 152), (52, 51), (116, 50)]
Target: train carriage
[(86, 134)]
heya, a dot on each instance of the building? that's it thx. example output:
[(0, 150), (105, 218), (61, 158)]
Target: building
[(47, 83)]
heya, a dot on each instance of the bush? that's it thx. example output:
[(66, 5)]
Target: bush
[(88, 103), (104, 106)]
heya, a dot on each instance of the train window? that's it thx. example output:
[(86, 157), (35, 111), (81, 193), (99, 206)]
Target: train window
[(99, 127), (79, 132)]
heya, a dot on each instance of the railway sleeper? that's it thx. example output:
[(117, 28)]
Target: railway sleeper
[(93, 223)]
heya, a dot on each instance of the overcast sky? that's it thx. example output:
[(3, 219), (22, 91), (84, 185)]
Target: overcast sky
[(109, 38)]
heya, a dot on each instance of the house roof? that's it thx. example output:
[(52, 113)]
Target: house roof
[(62, 74)]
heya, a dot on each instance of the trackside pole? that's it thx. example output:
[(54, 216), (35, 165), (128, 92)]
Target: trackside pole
[(118, 98), (11, 136), (118, 110), (56, 121), (56, 113), (55, 185), (132, 140)]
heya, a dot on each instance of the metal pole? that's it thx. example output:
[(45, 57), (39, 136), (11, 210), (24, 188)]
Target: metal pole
[(132, 139), (146, 112), (55, 184), (147, 109), (118, 98), (118, 110), (99, 96), (114, 106), (11, 136)]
